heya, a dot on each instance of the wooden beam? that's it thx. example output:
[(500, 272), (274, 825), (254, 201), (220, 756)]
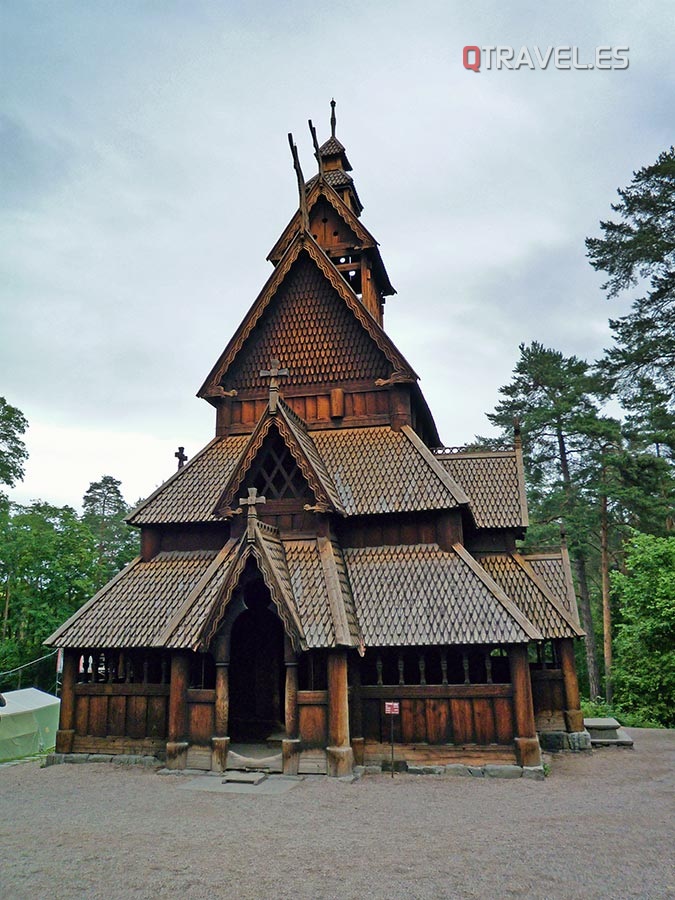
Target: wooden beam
[(574, 718), (528, 751), (291, 694), (178, 710), (66, 732)]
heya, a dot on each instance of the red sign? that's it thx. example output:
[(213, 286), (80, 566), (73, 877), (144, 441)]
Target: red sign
[(392, 708)]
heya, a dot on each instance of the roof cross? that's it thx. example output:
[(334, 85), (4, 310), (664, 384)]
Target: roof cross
[(252, 518), (274, 373), (181, 457)]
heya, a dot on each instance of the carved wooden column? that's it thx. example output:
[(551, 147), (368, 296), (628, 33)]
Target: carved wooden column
[(290, 745), (66, 733), (220, 741), (574, 718), (339, 754), (528, 752), (177, 745), (291, 698), (358, 742)]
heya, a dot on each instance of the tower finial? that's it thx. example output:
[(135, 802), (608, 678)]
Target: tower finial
[(317, 152), (332, 118), (301, 183)]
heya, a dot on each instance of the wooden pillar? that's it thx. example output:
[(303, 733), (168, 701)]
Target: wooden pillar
[(176, 747), (574, 718), (291, 694), (339, 752), (222, 705), (528, 752), (66, 733)]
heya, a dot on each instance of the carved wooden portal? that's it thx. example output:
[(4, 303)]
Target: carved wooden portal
[(256, 670)]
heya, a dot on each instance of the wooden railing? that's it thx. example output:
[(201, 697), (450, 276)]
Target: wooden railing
[(439, 714)]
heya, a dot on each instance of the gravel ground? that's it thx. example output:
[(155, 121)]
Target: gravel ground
[(601, 825)]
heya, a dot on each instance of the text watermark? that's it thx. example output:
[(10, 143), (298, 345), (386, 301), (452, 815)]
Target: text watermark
[(566, 57)]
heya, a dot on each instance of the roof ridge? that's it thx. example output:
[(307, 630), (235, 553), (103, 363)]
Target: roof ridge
[(305, 242), (193, 596), (87, 606), (528, 627), (137, 509), (456, 491), (547, 592)]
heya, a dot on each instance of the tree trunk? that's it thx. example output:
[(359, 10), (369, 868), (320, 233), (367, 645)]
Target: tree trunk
[(582, 581), (5, 618), (606, 610)]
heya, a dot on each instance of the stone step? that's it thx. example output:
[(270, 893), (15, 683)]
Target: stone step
[(607, 732)]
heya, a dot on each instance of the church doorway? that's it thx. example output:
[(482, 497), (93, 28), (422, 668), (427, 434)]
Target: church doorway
[(257, 674)]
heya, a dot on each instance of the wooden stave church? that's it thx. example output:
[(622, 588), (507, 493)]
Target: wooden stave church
[(324, 554)]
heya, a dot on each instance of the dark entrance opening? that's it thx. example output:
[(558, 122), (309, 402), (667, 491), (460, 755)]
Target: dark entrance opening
[(257, 675)]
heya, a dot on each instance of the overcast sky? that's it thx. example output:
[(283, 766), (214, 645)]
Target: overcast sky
[(146, 175)]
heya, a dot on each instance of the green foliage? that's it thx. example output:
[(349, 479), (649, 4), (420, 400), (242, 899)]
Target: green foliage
[(104, 511), (13, 453), (641, 245), (600, 709), (51, 562), (644, 669)]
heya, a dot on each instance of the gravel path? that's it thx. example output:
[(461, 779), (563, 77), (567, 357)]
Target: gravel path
[(602, 825)]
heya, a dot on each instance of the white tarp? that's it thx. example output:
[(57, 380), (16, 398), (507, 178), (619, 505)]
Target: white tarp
[(28, 723)]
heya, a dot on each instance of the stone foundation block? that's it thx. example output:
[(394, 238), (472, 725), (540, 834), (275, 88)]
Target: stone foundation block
[(534, 773), (579, 740), (457, 769), (493, 771)]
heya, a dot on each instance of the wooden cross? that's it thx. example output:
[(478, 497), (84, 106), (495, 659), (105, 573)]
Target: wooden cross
[(274, 373), (251, 501), (181, 457)]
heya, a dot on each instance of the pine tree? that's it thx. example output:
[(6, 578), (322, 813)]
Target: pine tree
[(641, 246), (104, 511)]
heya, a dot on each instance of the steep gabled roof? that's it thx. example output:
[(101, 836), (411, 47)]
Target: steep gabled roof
[(133, 608), (294, 433), (320, 188), (420, 595), (553, 567), (517, 578), (304, 244), (494, 483), (190, 494), (378, 470)]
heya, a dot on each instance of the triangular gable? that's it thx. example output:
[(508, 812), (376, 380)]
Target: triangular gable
[(304, 245), (198, 619), (294, 434), (553, 600), (318, 190)]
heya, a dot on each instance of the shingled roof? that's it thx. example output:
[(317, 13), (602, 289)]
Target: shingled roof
[(191, 494), (132, 610), (530, 593), (293, 432), (494, 483), (378, 470), (322, 346), (422, 595), (553, 568)]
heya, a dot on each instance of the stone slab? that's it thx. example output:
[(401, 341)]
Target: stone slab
[(244, 777), (493, 771), (273, 786), (601, 724)]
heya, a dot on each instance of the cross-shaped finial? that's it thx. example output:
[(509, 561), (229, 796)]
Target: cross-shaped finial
[(251, 501), (274, 373), (181, 457)]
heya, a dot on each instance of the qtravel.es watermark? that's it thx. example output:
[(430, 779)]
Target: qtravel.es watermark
[(566, 57)]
